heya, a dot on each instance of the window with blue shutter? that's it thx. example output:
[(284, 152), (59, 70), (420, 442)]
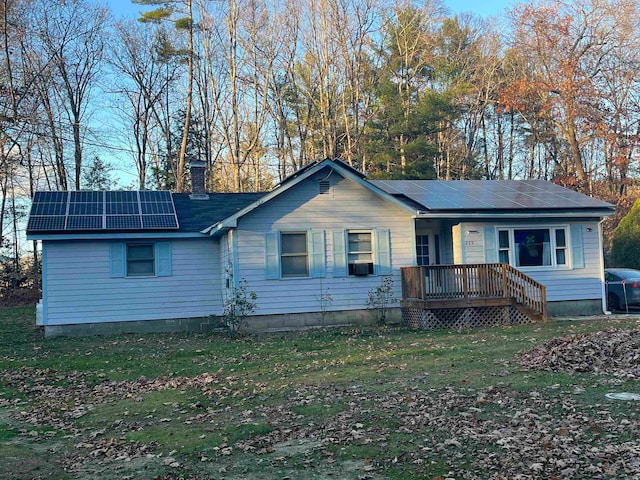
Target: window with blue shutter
[(140, 259), (295, 254)]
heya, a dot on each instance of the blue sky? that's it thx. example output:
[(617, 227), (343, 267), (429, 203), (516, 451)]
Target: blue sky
[(484, 8)]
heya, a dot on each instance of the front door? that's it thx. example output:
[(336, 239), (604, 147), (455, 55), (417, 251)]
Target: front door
[(428, 253)]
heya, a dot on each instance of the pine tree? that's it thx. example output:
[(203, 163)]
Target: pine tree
[(181, 14), (625, 245), (98, 176)]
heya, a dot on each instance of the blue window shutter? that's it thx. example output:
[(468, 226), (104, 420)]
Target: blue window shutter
[(490, 246), (339, 253), (383, 251), (117, 260), (316, 253), (577, 246), (163, 259), (272, 255)]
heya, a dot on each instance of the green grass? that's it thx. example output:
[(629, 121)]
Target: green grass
[(382, 403)]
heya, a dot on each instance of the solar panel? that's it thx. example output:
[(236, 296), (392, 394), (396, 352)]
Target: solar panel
[(488, 195), (156, 208), (49, 209), (86, 208), (123, 222), (124, 210), (120, 208), (85, 197), (79, 222), (49, 203), (45, 223), (158, 221), (155, 196), (158, 211)]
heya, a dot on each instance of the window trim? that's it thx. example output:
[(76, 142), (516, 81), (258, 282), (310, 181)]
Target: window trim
[(282, 255), (371, 252), (513, 254)]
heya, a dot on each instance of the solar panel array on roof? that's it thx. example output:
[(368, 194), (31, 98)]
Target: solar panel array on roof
[(488, 195), (90, 211)]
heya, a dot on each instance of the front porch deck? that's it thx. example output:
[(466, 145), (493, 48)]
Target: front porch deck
[(458, 296)]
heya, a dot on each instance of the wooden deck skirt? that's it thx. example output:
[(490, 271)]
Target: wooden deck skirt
[(461, 296)]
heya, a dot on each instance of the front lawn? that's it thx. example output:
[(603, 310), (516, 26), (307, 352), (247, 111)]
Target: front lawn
[(343, 403)]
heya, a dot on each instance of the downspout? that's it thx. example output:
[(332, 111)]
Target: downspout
[(602, 283)]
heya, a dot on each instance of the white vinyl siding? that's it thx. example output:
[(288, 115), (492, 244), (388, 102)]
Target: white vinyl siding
[(79, 287)]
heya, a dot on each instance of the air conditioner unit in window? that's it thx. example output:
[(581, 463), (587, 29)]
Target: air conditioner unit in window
[(361, 269)]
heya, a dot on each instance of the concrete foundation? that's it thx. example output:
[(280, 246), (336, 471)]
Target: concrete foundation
[(574, 308), (283, 322), (254, 324)]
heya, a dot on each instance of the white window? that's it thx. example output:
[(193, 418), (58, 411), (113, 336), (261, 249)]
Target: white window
[(140, 260), (360, 253), (294, 258), (561, 246), (504, 255), (533, 247)]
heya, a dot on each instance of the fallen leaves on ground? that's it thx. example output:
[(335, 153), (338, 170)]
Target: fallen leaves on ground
[(487, 433), (612, 353)]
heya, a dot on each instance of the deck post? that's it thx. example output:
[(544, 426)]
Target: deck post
[(465, 282), (505, 287)]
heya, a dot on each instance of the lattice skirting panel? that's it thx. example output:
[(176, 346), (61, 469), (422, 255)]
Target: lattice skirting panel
[(457, 318)]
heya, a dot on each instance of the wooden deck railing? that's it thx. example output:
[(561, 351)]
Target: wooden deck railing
[(473, 281)]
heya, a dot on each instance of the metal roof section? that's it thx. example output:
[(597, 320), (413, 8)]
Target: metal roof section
[(496, 195)]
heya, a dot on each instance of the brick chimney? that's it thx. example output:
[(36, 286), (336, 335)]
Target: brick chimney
[(197, 177)]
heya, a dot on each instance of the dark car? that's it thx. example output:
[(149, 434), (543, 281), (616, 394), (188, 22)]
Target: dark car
[(623, 288)]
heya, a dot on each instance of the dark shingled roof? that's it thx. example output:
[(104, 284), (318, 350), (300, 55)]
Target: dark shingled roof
[(196, 215)]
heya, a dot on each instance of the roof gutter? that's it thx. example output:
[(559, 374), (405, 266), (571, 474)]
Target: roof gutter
[(113, 236), (520, 215)]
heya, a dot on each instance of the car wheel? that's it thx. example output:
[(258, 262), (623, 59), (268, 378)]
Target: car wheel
[(613, 304)]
